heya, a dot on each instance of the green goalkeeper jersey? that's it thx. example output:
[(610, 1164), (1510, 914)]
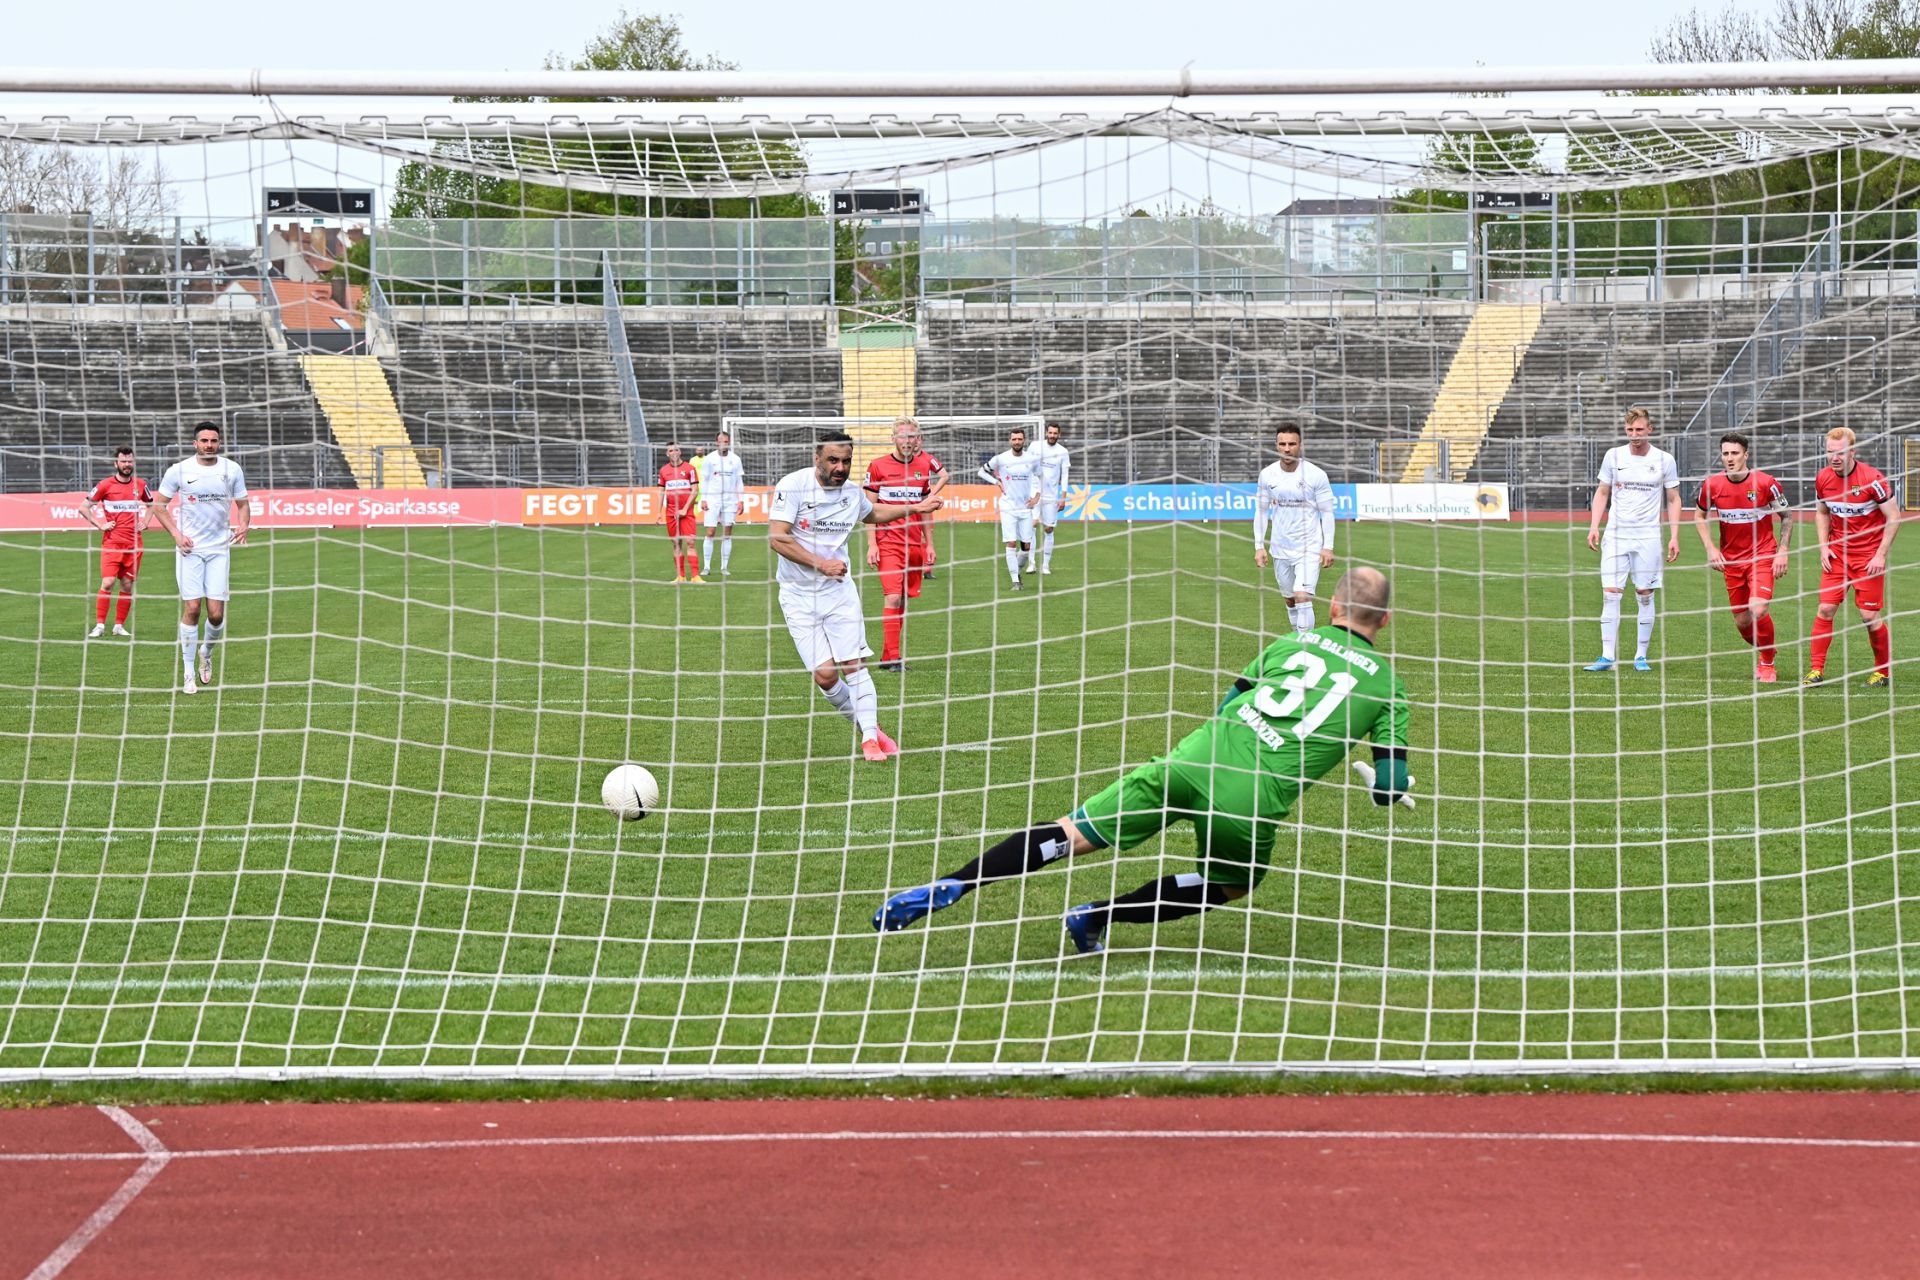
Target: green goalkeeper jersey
[(1314, 696)]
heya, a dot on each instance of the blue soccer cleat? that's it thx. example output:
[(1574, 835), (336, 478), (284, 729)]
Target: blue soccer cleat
[(1641, 664), (1085, 934), (1599, 664), (908, 905)]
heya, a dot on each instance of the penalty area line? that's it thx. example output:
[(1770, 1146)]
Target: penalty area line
[(1038, 972)]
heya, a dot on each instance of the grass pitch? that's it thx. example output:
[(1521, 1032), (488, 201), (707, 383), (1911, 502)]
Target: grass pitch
[(377, 841)]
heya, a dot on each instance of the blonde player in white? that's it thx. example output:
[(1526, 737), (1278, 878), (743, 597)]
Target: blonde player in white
[(722, 484), (1628, 499), (813, 513), (1016, 473), (1051, 458), (211, 520), (1293, 505)]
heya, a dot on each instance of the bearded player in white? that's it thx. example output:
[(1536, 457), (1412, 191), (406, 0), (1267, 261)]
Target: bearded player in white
[(1016, 473), (813, 513), (722, 484), (1050, 456), (1293, 504), (1631, 479), (212, 519)]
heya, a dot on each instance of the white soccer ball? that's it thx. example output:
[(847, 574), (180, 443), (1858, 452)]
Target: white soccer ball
[(630, 792)]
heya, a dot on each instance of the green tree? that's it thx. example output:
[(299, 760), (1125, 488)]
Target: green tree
[(452, 185)]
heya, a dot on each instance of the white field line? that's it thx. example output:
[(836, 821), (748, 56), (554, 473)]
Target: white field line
[(923, 1136), (1044, 973), (688, 829), (153, 1156)]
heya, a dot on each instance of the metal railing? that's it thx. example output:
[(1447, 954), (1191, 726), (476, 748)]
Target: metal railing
[(1743, 383), (622, 354)]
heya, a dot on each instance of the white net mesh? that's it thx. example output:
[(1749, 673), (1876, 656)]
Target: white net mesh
[(374, 843)]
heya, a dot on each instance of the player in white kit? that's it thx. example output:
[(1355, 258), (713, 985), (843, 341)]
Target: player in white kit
[(211, 519), (1016, 473), (1293, 525), (723, 483), (1051, 458), (812, 515), (1632, 477)]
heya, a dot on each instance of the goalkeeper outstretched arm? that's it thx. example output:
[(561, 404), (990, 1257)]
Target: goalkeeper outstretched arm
[(1391, 781)]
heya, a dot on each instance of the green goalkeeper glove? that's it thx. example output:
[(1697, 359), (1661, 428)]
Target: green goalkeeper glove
[(1389, 780)]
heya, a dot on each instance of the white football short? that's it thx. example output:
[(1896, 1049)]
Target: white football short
[(1049, 512), (722, 513), (1637, 556), (1016, 525), (1297, 573), (202, 575), (825, 621)]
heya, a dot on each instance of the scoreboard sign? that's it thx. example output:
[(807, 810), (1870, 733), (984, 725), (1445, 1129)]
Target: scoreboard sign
[(879, 202), (1512, 201), (330, 200)]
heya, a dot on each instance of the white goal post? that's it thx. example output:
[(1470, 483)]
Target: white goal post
[(373, 845)]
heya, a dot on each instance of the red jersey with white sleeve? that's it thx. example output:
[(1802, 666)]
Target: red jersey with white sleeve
[(122, 501), (901, 484), (679, 481), (1853, 501), (1745, 509)]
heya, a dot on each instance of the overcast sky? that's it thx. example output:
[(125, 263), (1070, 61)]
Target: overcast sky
[(764, 35), (781, 35)]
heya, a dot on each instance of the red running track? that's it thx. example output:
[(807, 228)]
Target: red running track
[(1745, 1185)]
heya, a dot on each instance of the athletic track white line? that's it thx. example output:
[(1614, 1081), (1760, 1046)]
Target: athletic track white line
[(987, 1135), (153, 1156)]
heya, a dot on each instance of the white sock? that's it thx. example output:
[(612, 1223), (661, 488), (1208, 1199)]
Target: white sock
[(842, 699), (866, 703), (1646, 626), (1609, 624), (189, 641), (1301, 615), (1046, 548), (1013, 563), (726, 553), (707, 559), (216, 632)]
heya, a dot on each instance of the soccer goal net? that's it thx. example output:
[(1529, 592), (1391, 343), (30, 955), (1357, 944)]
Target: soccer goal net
[(450, 349)]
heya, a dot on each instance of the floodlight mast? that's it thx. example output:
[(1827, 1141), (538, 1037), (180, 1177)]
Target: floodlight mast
[(1182, 83)]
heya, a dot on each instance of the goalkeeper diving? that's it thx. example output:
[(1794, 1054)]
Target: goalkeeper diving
[(1293, 715)]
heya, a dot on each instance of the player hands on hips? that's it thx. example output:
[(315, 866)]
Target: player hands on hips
[(1855, 517), (1635, 481), (813, 513), (1746, 503), (117, 507), (1296, 711), (679, 480), (1293, 510)]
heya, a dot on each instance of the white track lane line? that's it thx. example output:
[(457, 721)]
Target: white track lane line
[(985, 1135), (153, 1156)]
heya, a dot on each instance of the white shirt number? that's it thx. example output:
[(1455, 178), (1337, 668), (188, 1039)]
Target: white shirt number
[(1310, 671)]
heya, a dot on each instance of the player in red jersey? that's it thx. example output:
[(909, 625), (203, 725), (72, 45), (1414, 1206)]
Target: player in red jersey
[(902, 549), (1747, 503), (1855, 515), (121, 500), (679, 482)]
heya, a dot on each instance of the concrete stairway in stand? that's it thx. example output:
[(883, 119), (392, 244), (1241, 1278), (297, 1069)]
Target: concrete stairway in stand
[(366, 423)]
